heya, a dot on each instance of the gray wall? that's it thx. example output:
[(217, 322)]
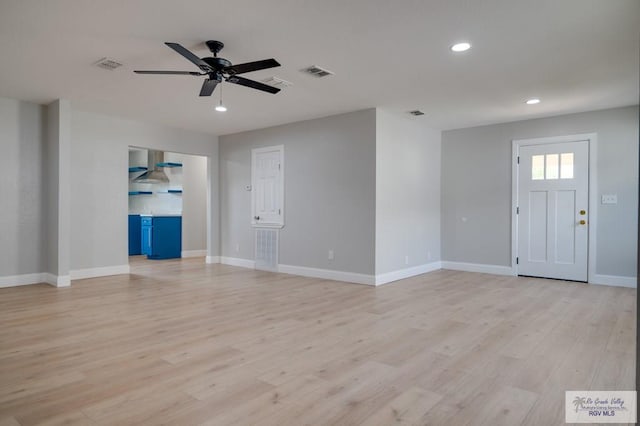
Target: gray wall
[(50, 188), (56, 186), (476, 184), (329, 192), (407, 193), (194, 202), (99, 182), (22, 216)]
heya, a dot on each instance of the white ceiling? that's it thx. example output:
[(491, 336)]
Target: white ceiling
[(576, 55)]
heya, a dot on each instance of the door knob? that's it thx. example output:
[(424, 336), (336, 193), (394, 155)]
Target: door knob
[(583, 222)]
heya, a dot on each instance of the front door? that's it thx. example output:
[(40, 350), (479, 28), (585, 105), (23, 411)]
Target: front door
[(553, 198)]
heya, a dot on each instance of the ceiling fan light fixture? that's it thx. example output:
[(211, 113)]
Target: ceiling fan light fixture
[(220, 107), (532, 101), (461, 47)]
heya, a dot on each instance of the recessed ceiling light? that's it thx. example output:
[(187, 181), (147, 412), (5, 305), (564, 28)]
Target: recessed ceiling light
[(532, 101), (461, 47)]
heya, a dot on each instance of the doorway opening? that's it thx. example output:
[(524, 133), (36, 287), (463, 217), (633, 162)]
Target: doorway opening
[(168, 207)]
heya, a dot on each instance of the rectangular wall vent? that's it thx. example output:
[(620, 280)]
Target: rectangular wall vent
[(316, 71), (416, 112), (277, 82), (266, 249), (108, 64)]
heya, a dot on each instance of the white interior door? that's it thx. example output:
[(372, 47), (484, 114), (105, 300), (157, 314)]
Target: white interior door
[(267, 186), (553, 200)]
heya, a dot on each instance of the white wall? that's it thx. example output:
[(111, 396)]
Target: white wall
[(329, 192), (99, 155), (476, 184), (407, 193), (22, 182)]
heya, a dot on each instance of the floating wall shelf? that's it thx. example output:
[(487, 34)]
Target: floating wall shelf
[(140, 192), (137, 169), (175, 191), (168, 164)]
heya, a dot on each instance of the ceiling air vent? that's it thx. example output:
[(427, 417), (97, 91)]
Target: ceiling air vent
[(108, 64), (316, 71), (416, 112), (277, 82)]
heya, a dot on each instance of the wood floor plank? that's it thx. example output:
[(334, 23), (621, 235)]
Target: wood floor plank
[(184, 342), (407, 409), (8, 421)]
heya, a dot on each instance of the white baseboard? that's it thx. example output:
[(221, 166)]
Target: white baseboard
[(193, 253), (38, 278), (212, 259), (407, 273), (234, 261), (57, 280), (477, 267), (614, 280), (24, 279), (79, 274), (329, 274)]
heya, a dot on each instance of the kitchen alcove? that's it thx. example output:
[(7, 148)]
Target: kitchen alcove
[(163, 220)]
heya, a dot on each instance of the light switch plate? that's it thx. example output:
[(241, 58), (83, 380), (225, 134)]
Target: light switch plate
[(609, 199)]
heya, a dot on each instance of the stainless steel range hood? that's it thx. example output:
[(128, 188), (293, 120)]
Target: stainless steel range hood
[(154, 174)]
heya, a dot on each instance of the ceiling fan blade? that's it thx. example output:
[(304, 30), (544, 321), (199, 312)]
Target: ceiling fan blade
[(170, 72), (252, 66), (253, 84), (190, 56), (208, 87)]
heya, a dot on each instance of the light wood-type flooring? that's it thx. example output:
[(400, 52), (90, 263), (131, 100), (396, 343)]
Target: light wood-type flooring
[(180, 342)]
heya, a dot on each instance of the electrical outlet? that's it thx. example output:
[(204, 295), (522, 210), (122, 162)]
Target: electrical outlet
[(330, 255), (406, 260)]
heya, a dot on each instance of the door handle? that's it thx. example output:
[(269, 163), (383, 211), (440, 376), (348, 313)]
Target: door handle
[(583, 222), (256, 217)]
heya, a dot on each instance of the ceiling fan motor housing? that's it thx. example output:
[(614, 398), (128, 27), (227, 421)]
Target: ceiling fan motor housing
[(217, 63)]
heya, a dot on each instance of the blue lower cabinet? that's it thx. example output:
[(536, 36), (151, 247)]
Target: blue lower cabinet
[(161, 237), (146, 228), (134, 235)]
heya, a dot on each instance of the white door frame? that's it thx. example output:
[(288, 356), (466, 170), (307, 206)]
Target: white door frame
[(592, 139)]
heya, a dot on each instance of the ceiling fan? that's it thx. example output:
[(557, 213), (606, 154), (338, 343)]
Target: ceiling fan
[(219, 69)]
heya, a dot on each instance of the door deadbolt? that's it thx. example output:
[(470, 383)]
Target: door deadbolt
[(582, 212)]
